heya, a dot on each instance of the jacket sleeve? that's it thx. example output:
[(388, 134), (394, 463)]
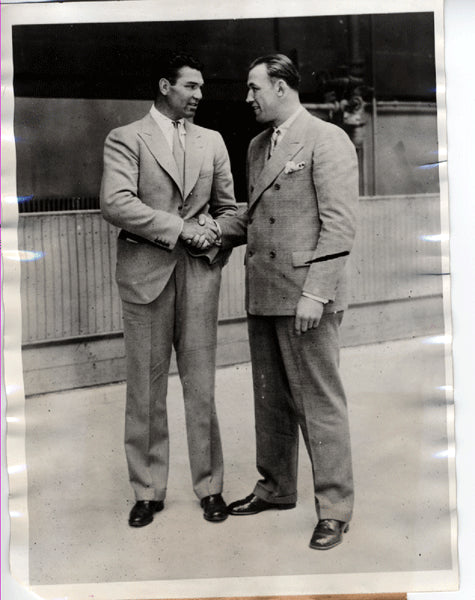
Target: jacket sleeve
[(335, 177), (120, 203), (234, 227), (222, 201)]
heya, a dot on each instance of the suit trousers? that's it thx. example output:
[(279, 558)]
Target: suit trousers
[(297, 385), (183, 316)]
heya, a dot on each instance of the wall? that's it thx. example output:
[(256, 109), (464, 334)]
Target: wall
[(75, 82), (68, 287), (59, 146), (393, 52), (59, 142), (405, 149), (71, 311)]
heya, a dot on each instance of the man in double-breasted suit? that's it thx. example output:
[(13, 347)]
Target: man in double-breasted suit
[(159, 174), (299, 226)]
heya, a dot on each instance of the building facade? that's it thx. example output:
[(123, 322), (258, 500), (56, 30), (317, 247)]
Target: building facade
[(374, 75)]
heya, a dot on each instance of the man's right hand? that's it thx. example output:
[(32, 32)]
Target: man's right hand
[(200, 234)]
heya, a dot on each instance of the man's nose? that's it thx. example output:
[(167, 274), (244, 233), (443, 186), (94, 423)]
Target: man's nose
[(250, 96), (198, 94)]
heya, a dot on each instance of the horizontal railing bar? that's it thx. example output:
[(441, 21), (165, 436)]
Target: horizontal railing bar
[(240, 204)]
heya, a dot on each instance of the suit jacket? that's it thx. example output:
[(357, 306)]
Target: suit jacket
[(301, 217), (141, 193)]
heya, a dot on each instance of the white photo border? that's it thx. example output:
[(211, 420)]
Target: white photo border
[(146, 10)]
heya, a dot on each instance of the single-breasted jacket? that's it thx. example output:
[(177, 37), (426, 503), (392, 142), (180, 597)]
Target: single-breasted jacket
[(141, 193), (301, 217)]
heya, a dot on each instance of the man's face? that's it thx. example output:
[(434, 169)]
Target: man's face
[(184, 95), (262, 94)]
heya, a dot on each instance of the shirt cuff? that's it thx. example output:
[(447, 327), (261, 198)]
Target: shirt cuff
[(313, 297), (219, 241)]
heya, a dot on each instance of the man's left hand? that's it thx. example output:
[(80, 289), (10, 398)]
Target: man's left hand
[(308, 314)]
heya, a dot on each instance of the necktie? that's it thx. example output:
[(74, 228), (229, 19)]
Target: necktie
[(274, 140), (178, 151)]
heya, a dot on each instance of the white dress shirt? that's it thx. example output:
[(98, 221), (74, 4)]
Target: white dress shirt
[(286, 124), (167, 127)]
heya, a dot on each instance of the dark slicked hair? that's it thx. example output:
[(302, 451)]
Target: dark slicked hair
[(172, 63), (279, 66)]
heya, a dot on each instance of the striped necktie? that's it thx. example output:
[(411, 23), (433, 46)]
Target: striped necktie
[(274, 140), (178, 151)]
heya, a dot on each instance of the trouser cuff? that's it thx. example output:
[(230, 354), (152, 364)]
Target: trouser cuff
[(264, 494), (210, 492), (335, 513), (150, 495)]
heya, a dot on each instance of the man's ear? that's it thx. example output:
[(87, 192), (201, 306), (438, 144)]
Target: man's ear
[(164, 86), (281, 87)]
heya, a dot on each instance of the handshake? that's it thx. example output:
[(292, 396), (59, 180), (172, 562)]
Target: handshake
[(201, 233)]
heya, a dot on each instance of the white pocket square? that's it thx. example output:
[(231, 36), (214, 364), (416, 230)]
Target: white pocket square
[(290, 167)]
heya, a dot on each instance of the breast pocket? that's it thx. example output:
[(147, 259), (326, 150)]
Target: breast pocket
[(297, 176)]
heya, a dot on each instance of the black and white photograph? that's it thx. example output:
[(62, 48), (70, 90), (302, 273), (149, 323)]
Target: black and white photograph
[(227, 299)]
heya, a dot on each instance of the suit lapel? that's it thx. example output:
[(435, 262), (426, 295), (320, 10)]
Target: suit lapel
[(263, 172), (194, 153), (258, 159), (157, 144)]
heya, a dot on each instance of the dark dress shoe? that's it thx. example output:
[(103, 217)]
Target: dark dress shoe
[(214, 508), (251, 505), (328, 533), (143, 511)]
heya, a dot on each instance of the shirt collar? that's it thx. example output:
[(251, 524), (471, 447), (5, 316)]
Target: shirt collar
[(164, 121), (286, 124)]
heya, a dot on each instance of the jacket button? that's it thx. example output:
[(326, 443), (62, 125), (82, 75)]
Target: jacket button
[(250, 253), (250, 220), (277, 186), (271, 220), (272, 253), (252, 188)]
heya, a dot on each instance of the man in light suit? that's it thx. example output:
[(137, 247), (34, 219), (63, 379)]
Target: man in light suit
[(299, 227), (159, 174)]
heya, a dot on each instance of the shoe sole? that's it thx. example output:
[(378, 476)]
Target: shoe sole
[(256, 512), (142, 524), (325, 547), (315, 547), (215, 519)]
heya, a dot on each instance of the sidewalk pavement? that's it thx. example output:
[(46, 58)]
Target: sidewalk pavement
[(79, 495)]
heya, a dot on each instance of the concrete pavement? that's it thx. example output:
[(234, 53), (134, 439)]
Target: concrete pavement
[(79, 495)]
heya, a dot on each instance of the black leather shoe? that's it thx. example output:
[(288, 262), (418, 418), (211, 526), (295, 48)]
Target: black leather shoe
[(143, 511), (251, 505), (328, 533), (214, 508)]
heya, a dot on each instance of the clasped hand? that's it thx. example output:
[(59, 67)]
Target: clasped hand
[(200, 233)]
